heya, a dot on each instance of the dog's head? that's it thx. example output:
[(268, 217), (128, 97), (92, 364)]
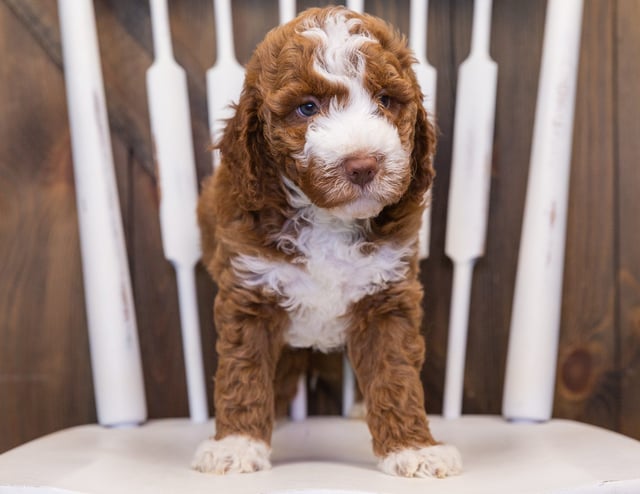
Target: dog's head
[(331, 110)]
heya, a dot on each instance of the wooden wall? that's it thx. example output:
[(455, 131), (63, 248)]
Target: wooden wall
[(45, 376)]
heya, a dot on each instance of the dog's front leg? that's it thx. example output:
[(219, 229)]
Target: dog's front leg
[(249, 344), (386, 350)]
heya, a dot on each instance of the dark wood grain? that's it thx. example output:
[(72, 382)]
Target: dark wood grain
[(45, 381), (45, 377), (436, 270), (587, 388), (628, 208), (516, 47)]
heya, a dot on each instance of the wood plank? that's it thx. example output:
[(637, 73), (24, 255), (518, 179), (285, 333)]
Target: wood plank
[(305, 4), (516, 47), (45, 380), (628, 274), (586, 386), (396, 13), (192, 29), (436, 271), (126, 108), (156, 304), (125, 62), (252, 19)]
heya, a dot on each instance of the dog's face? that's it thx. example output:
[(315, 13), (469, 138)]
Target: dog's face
[(332, 102)]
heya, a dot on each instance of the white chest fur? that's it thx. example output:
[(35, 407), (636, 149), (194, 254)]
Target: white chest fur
[(332, 274)]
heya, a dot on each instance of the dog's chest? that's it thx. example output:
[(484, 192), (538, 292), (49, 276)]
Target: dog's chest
[(332, 274)]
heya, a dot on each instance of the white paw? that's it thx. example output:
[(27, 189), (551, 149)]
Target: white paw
[(433, 461), (231, 454)]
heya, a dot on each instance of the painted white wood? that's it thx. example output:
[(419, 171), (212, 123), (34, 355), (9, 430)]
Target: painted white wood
[(325, 453), (469, 188), (226, 77), (191, 341), (298, 408), (287, 9), (348, 386), (457, 339), (356, 5), (427, 78), (113, 336), (177, 182), (535, 321), (19, 489)]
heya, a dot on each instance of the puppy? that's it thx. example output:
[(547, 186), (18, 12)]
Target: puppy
[(309, 228)]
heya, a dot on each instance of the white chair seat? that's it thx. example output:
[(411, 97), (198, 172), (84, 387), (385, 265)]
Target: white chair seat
[(327, 455)]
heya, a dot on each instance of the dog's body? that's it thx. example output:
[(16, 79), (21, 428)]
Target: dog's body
[(309, 228)]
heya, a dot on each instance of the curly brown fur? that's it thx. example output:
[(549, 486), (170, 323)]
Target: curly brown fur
[(320, 194)]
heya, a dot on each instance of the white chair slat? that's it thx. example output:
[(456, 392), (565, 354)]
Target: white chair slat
[(468, 207), (535, 321), (427, 78), (356, 5), (287, 10), (171, 130), (113, 335), (225, 78)]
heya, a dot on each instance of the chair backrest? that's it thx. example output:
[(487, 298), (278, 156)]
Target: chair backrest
[(534, 333)]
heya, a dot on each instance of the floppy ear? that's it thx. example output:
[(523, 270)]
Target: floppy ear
[(424, 147), (398, 216), (243, 152)]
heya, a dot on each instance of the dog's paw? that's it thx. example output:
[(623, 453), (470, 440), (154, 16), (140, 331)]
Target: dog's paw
[(433, 461), (231, 454)]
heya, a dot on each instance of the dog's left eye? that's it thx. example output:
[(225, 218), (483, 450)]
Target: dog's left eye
[(384, 100), (308, 109)]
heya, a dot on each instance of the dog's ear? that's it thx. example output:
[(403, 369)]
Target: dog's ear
[(424, 147), (398, 216), (243, 150)]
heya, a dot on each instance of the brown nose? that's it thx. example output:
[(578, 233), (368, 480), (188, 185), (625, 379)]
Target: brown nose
[(361, 170)]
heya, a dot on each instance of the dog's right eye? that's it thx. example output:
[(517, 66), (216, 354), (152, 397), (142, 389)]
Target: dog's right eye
[(308, 109)]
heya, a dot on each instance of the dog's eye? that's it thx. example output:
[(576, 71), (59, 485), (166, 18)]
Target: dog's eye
[(384, 100), (308, 109)]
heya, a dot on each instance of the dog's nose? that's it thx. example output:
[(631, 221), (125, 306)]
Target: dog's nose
[(361, 169)]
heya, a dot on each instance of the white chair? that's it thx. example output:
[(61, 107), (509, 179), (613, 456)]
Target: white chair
[(328, 455)]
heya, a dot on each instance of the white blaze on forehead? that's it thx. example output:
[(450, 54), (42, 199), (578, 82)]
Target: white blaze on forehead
[(337, 57), (355, 126)]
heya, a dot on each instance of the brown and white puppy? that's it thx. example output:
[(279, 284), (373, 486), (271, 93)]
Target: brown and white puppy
[(309, 228)]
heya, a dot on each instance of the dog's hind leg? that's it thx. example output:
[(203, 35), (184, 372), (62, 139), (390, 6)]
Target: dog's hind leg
[(293, 362)]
